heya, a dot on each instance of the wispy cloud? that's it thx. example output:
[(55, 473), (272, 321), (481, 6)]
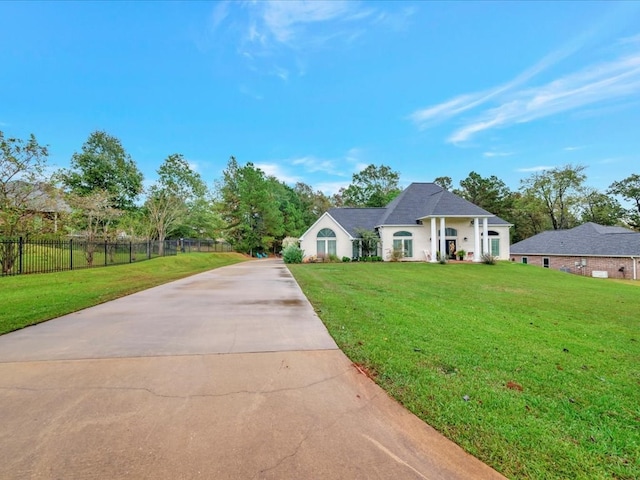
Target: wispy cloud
[(535, 169), (496, 154), (572, 149), (331, 188), (514, 102), (277, 171), (341, 167), (267, 33), (594, 84)]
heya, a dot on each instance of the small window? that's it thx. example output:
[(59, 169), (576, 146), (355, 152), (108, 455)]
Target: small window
[(525, 260), (545, 262)]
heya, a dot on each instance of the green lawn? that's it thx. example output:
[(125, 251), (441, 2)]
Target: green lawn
[(534, 371), (29, 299)]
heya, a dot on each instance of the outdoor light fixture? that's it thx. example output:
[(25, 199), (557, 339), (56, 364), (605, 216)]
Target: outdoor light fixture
[(465, 239)]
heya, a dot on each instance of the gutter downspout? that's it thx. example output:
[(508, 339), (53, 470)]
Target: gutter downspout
[(633, 260)]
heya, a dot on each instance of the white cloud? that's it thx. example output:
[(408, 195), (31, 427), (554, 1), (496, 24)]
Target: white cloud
[(496, 154), (514, 102), (535, 169), (594, 84), (331, 188), (340, 167), (219, 14), (275, 170), (572, 149)]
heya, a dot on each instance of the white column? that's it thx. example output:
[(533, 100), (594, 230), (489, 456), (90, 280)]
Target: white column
[(476, 239), (485, 238), (434, 240), (443, 240)]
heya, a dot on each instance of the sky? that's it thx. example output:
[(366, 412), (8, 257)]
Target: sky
[(314, 92)]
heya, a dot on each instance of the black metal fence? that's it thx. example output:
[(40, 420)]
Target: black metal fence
[(26, 256), (199, 245)]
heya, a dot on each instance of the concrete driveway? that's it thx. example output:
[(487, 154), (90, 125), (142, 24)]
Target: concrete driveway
[(224, 375)]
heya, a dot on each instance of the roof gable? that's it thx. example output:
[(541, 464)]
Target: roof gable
[(423, 200)]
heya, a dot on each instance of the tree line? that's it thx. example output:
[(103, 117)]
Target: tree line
[(102, 196)]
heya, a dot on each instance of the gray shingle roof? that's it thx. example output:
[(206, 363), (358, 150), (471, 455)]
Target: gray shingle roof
[(420, 200), (417, 201), (353, 219), (589, 239)]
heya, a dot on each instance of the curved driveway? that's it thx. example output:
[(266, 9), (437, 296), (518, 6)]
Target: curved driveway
[(227, 374)]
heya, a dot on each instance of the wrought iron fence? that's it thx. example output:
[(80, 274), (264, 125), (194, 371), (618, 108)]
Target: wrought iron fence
[(199, 245), (45, 256)]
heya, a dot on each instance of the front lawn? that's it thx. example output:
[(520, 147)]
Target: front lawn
[(30, 299), (534, 371)]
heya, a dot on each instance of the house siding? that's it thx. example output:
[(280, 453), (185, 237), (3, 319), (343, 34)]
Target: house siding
[(344, 246), (611, 265), (421, 235)]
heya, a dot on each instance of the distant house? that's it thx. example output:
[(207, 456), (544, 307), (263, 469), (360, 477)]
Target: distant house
[(590, 249), (39, 200), (422, 221)]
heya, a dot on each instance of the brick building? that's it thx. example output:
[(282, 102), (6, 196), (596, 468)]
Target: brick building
[(590, 250)]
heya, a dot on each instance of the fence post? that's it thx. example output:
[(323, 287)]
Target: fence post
[(130, 252), (105, 253), (20, 256), (71, 254)]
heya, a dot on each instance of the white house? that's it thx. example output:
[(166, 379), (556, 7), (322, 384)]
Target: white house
[(422, 221)]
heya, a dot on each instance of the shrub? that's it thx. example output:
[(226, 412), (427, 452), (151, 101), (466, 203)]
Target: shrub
[(346, 259), (396, 255), (331, 258), (292, 254), (489, 259)]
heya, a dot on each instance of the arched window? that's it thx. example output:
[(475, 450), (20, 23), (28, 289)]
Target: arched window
[(449, 232), (403, 241), (326, 242), (326, 233)]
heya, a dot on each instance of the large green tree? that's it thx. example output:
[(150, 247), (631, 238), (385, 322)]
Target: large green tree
[(312, 203), (600, 208), (629, 189), (249, 208), (559, 190), (489, 193), (375, 186), (103, 164), (178, 189)]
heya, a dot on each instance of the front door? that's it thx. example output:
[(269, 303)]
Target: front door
[(451, 249)]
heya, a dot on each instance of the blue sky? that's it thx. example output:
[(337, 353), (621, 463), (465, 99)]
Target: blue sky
[(314, 92)]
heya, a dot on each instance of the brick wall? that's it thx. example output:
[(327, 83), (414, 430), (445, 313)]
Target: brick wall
[(611, 265)]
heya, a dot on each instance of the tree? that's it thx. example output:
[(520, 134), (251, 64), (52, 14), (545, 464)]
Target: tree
[(178, 188), (313, 203), (600, 208), (368, 241), (94, 215), (559, 190), (444, 182), (103, 164), (372, 187), (629, 189), (528, 217), (249, 208), (490, 193), (22, 184)]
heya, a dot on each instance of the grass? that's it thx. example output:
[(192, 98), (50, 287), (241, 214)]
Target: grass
[(30, 299), (535, 372)]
